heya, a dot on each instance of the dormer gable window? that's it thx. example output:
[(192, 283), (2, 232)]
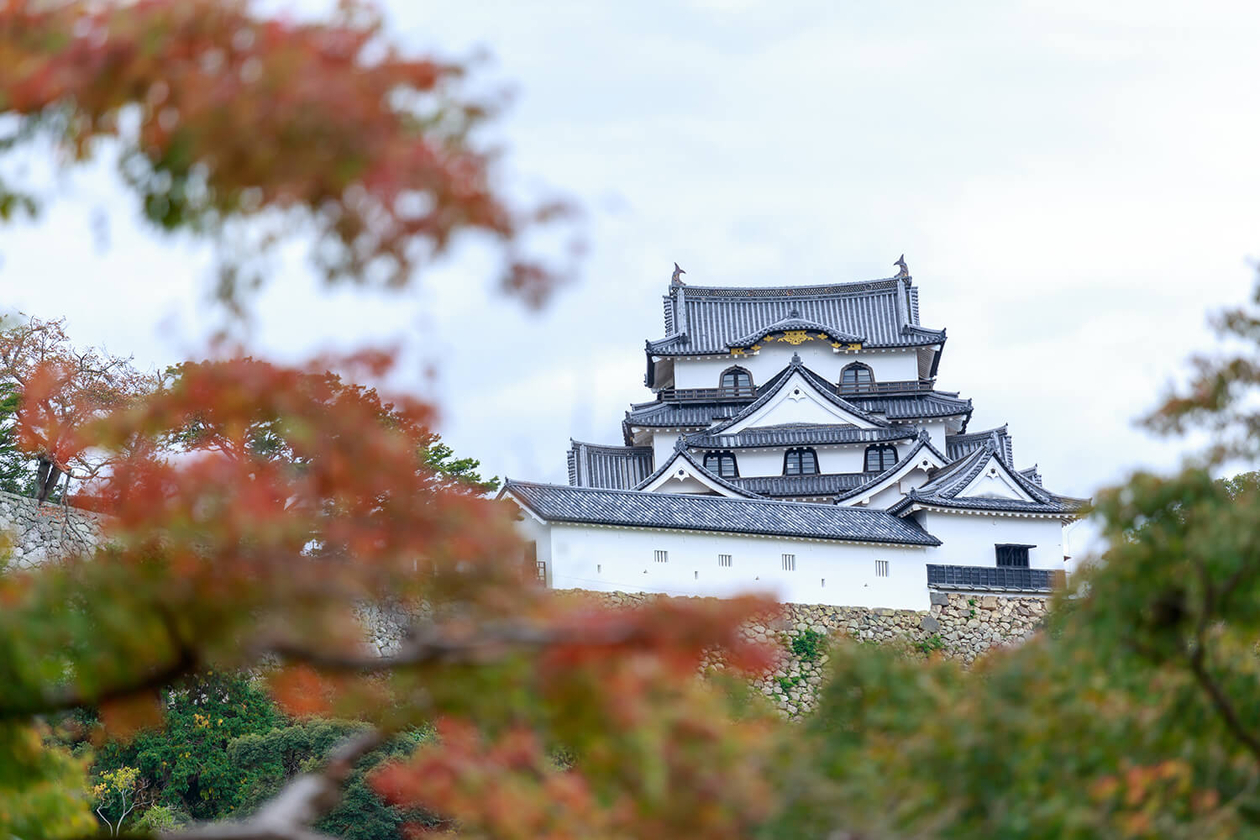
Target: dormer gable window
[(856, 378), (721, 464), (737, 380), (880, 458), (800, 462)]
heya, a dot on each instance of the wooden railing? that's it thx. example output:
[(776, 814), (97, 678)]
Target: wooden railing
[(706, 394), (995, 577), (909, 386)]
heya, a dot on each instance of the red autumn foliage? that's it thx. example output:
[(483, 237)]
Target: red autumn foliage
[(258, 511), (62, 389), (241, 116)]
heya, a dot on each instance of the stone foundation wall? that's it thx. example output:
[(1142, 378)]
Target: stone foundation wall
[(34, 533), (961, 626), (958, 625)]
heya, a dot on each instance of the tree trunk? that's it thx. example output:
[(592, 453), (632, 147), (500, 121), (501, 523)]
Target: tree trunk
[(49, 475)]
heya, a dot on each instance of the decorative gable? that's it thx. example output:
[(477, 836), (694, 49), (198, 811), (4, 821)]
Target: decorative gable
[(681, 474), (994, 482), (798, 401), (909, 473)]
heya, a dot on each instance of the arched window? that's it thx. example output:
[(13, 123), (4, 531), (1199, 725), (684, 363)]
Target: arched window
[(800, 462), (721, 463), (857, 377), (737, 380), (880, 458)]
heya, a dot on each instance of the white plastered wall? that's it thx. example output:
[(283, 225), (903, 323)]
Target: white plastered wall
[(968, 539), (539, 533), (663, 447), (838, 459), (818, 356), (827, 572)]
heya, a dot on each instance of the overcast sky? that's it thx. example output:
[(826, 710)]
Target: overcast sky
[(1074, 185)]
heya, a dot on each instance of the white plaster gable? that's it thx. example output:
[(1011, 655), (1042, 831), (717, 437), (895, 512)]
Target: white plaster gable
[(681, 476), (994, 482), (910, 473), (798, 401)]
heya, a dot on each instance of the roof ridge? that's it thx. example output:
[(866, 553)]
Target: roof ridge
[(757, 500), (875, 284), (575, 442)]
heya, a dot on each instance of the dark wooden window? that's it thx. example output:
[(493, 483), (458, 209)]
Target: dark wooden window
[(533, 564), (857, 377), (880, 458), (1013, 556), (737, 379), (722, 463), (800, 462)]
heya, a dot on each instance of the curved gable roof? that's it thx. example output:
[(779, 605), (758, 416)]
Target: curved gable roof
[(945, 488), (697, 469), (796, 324), (904, 465)]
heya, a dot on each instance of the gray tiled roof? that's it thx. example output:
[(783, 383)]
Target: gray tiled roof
[(1032, 475), (700, 319), (660, 415), (958, 446), (796, 486), (943, 488), (798, 434), (919, 406), (630, 508), (611, 467), (679, 452)]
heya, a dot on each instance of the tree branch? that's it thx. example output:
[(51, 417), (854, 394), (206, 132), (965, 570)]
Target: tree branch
[(61, 700), (290, 814), (1197, 659), (432, 645), (1224, 707)]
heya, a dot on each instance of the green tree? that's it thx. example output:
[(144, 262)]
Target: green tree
[(224, 749), (187, 760), (117, 794)]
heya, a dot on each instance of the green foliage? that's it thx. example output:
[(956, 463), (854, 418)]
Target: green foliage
[(161, 818), (930, 645), (441, 459), (43, 789), (809, 645), (786, 684), (188, 759), (225, 749), (16, 472)]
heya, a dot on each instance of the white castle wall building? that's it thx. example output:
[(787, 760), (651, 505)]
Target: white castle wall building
[(798, 445)]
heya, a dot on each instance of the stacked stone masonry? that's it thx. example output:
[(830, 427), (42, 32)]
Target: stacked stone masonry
[(959, 625), (34, 533)]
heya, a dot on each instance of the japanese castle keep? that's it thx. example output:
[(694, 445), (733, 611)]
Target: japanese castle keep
[(797, 444)]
